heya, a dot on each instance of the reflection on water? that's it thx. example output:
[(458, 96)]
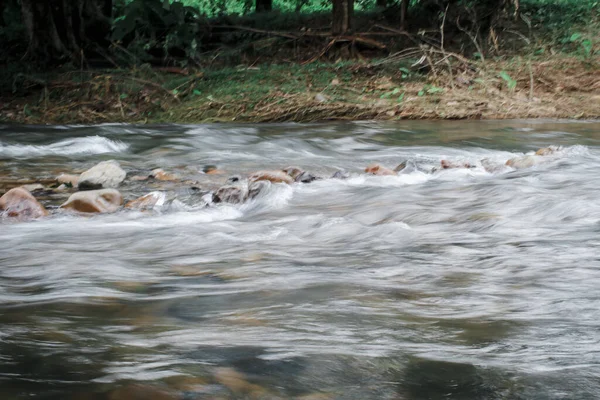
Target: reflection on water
[(459, 284)]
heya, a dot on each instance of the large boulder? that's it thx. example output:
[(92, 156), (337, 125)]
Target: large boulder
[(95, 201), (19, 203), (107, 174), (148, 201)]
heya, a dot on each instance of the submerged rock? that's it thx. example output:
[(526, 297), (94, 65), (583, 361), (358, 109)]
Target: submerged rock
[(107, 174), (139, 391), (19, 203), (212, 170), (95, 201), (271, 176), (492, 166), (547, 151), (340, 175), (148, 201), (524, 162), (445, 164), (376, 169), (237, 382)]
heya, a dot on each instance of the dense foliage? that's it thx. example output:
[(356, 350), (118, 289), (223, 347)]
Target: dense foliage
[(166, 31)]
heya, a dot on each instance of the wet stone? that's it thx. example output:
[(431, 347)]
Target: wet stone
[(95, 201), (271, 176), (19, 203), (161, 175), (376, 169), (107, 174), (148, 201)]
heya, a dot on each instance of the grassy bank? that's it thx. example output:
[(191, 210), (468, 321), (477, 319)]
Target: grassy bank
[(555, 87)]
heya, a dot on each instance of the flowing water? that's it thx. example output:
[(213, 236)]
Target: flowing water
[(458, 284)]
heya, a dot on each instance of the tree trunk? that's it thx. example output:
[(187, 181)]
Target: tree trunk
[(58, 29), (264, 5), (342, 16), (403, 13)]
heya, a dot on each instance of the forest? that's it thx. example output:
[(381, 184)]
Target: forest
[(295, 60)]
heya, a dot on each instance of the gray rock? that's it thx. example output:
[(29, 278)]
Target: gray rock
[(107, 174), (340, 175)]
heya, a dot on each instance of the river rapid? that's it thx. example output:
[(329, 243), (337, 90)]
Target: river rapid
[(458, 284)]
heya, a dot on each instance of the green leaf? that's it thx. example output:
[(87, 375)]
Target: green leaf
[(401, 97), (421, 93), (510, 82), (196, 92), (576, 36), (123, 96), (434, 89)]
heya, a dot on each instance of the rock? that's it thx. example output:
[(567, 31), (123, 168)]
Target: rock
[(139, 178), (271, 176), (148, 201), (237, 383), (161, 175), (212, 170), (492, 166), (400, 167), (524, 162), (547, 151), (340, 175), (376, 169), (320, 98), (299, 175), (445, 164), (19, 203), (32, 187), (255, 188), (236, 194), (107, 174), (95, 201), (68, 179)]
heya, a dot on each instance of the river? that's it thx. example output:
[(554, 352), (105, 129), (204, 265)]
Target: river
[(458, 284)]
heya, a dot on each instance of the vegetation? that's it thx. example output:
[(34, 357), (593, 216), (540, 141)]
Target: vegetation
[(272, 60)]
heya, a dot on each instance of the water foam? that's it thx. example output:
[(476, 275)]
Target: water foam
[(67, 147)]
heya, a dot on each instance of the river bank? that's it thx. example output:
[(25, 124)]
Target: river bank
[(560, 86)]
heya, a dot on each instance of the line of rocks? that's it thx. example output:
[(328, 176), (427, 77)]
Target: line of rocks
[(98, 186)]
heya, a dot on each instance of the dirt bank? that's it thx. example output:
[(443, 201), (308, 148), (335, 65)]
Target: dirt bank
[(557, 87)]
